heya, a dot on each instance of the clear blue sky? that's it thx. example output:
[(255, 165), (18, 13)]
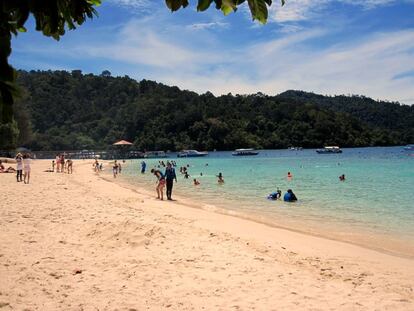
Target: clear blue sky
[(323, 46)]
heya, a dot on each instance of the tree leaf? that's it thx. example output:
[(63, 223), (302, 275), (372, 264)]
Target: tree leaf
[(175, 5), (94, 2), (203, 5), (258, 9), (228, 6)]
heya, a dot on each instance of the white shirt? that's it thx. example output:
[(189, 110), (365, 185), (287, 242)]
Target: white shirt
[(19, 162)]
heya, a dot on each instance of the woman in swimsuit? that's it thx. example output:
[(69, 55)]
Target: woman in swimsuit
[(160, 183)]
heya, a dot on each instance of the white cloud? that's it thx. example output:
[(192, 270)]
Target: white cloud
[(138, 4), (300, 10), (366, 67), (212, 25), (203, 61)]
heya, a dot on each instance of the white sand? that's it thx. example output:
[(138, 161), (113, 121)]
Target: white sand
[(79, 242)]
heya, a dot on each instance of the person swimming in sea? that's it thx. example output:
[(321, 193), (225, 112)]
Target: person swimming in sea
[(220, 178), (196, 182), (342, 177), (290, 196), (275, 195)]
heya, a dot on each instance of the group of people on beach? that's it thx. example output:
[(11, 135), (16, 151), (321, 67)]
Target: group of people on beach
[(62, 165), (22, 170), (166, 179), (289, 196)]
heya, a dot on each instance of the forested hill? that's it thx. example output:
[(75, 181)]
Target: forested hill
[(69, 110), (377, 113)]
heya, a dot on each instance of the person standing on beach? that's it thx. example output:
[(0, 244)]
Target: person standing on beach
[(96, 166), (19, 167), (62, 163), (57, 163), (170, 176), (26, 165), (115, 168), (69, 164), (160, 183)]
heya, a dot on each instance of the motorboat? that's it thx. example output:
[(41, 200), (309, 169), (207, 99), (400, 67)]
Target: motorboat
[(295, 148), (245, 152), (191, 154), (155, 154), (329, 149), (409, 147)]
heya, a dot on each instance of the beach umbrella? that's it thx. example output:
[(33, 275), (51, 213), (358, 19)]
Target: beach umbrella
[(123, 147), (122, 143)]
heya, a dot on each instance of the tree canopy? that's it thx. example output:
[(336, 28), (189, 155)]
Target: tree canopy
[(69, 110), (258, 8), (53, 17)]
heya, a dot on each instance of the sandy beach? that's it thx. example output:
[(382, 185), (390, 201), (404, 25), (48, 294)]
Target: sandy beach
[(83, 242)]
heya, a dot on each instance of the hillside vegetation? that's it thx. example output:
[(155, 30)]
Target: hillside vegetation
[(70, 110)]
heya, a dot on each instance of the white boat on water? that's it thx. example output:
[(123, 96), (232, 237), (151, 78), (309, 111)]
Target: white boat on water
[(191, 153), (329, 149), (409, 147), (245, 152)]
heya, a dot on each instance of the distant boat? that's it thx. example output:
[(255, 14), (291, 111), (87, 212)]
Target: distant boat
[(409, 147), (295, 148), (155, 154), (191, 153), (329, 149), (245, 152)]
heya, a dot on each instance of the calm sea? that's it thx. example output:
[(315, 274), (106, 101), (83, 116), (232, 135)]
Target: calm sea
[(373, 207)]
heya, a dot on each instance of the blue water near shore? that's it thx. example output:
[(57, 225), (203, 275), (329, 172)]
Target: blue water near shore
[(377, 196)]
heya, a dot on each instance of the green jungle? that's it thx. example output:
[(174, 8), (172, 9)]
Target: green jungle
[(60, 110)]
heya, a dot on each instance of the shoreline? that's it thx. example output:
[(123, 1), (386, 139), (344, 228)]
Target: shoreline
[(368, 237), (81, 242)]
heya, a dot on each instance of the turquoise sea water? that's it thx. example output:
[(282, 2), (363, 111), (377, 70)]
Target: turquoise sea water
[(373, 207)]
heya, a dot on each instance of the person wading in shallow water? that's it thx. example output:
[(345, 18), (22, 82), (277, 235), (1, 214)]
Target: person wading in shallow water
[(160, 183), (170, 176)]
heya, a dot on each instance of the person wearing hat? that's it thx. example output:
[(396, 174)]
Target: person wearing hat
[(19, 167)]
